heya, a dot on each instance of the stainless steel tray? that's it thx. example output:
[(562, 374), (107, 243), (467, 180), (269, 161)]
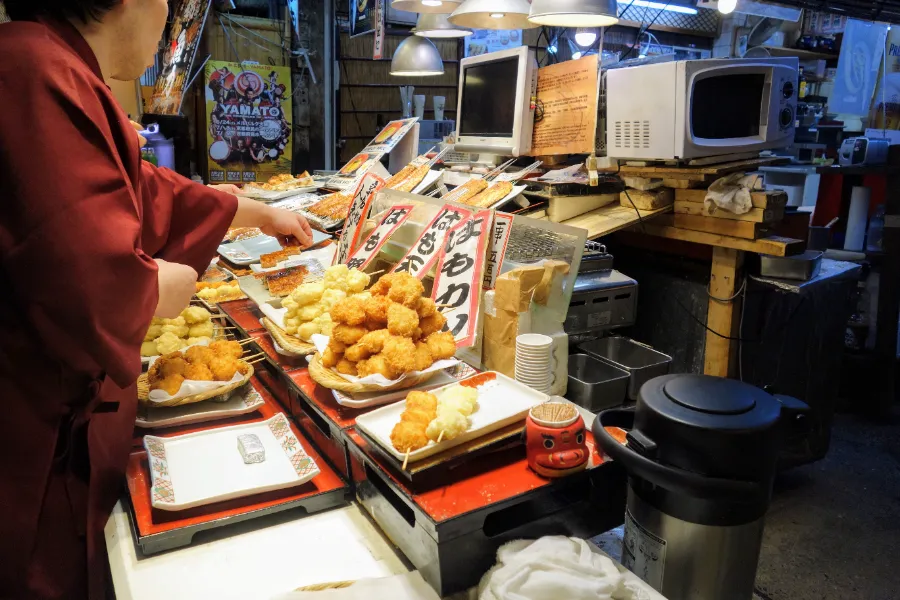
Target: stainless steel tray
[(642, 362), (801, 267), (594, 384)]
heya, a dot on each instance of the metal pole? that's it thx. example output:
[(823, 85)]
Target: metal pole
[(328, 84)]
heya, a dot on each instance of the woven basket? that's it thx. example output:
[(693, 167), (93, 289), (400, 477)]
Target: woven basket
[(334, 381), (143, 391), (291, 345)]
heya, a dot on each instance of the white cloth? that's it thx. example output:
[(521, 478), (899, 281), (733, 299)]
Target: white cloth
[(409, 586), (731, 193), (552, 568)]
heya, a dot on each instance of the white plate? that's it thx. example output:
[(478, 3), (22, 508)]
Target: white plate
[(315, 268), (501, 402), (246, 252), (272, 196), (242, 402), (443, 378), (257, 291), (206, 467)]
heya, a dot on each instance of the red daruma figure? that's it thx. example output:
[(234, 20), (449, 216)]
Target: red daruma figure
[(555, 440)]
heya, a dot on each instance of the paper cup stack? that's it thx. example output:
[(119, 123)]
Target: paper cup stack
[(534, 361)]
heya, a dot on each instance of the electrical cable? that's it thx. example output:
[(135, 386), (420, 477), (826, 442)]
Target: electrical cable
[(705, 326), (645, 29), (727, 300)]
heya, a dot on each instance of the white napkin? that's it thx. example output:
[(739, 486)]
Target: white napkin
[(276, 315), (552, 568), (731, 193), (190, 387)]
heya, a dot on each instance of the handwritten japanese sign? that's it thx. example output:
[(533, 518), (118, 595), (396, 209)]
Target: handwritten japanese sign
[(363, 196), (457, 283), (499, 240), (377, 50), (421, 257), (393, 219)]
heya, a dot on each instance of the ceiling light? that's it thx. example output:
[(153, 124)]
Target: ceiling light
[(493, 14), (676, 8), (727, 6), (426, 6), (435, 25), (574, 13), (585, 37), (417, 57), (576, 56)]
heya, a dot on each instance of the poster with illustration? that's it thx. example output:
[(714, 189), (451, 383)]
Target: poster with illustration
[(858, 65), (362, 13), (248, 133), (485, 41), (180, 47)]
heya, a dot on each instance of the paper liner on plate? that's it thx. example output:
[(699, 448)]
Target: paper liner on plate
[(216, 390)]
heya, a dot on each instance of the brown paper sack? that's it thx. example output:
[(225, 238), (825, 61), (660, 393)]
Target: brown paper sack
[(513, 290)]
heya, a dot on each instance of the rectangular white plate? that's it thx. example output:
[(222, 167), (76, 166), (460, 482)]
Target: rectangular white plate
[(272, 196), (443, 378), (241, 402), (501, 402), (248, 251), (206, 467)]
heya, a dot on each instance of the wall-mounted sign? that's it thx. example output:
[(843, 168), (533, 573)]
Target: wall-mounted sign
[(180, 47)]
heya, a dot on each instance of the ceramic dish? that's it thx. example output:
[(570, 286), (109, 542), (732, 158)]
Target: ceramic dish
[(238, 404), (367, 400), (501, 402), (206, 467), (248, 251)]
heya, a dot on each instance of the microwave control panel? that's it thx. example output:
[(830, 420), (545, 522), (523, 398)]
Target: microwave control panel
[(787, 101)]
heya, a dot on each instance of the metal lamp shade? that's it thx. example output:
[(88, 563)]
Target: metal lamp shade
[(574, 13), (417, 57), (493, 14), (427, 6), (438, 26)]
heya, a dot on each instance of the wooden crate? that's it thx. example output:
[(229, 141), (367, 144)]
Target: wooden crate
[(765, 199)]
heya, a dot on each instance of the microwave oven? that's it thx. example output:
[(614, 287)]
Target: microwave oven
[(695, 108)]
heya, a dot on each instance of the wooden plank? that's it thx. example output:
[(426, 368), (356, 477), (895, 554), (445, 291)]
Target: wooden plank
[(610, 218), (700, 173), (647, 200), (683, 184), (767, 199), (754, 215), (714, 160), (774, 245), (721, 317), (741, 229)]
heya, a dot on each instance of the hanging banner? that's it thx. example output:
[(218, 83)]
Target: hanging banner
[(378, 49), (858, 65), (457, 283), (359, 210), (180, 47), (423, 254), (382, 144), (499, 241), (361, 17), (248, 134), (393, 219)]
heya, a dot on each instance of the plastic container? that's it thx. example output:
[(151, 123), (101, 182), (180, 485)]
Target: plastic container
[(640, 361)]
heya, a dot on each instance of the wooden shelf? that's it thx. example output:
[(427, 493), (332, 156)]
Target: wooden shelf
[(774, 245), (800, 53), (611, 218)]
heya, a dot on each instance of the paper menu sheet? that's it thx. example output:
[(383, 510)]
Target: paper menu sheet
[(568, 95)]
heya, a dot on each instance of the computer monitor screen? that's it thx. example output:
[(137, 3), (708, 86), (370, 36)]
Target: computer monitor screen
[(489, 99)]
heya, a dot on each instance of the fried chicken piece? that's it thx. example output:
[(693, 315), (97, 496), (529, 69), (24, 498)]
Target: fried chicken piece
[(406, 290), (400, 354), (383, 285), (376, 365), (170, 385), (408, 437), (330, 358), (171, 364), (418, 415), (223, 368), (337, 346), (348, 334), (424, 359), (402, 321), (432, 324), (199, 355), (422, 400), (198, 372), (377, 310), (351, 311), (374, 341), (347, 367), (425, 307), (441, 344), (357, 352), (227, 348)]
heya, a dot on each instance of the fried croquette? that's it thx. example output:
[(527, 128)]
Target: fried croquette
[(171, 365), (227, 348), (154, 332), (223, 368), (348, 334), (169, 385), (402, 321), (199, 355), (383, 285), (169, 342), (376, 365), (432, 324), (377, 309), (422, 400), (149, 349), (206, 329), (424, 359), (418, 415), (407, 437), (425, 307), (350, 311), (331, 358), (337, 346), (400, 354), (346, 367), (441, 344), (374, 340), (194, 315), (198, 372), (357, 352), (406, 290)]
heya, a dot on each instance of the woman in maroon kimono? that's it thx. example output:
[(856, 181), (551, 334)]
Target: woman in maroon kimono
[(93, 243)]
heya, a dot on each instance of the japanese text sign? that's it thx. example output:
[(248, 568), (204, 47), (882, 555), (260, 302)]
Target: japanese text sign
[(359, 209), (393, 219), (499, 241), (423, 254)]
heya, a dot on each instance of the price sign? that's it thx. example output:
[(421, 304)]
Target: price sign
[(363, 196), (499, 241), (393, 219), (378, 49), (457, 283), (423, 254)]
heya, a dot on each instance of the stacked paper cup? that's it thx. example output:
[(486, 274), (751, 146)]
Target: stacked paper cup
[(534, 361)]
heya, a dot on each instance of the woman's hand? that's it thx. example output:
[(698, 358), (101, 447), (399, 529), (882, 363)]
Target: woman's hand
[(177, 285), (289, 228), (228, 188)]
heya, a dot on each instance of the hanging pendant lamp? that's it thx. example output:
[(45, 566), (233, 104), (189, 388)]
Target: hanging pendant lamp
[(433, 25), (493, 14), (574, 13), (427, 6), (417, 56)]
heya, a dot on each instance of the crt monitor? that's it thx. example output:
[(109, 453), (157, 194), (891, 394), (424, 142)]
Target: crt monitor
[(496, 102)]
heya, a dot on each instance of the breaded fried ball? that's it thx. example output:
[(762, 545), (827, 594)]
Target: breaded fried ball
[(223, 368), (171, 364), (227, 348), (331, 358), (402, 321), (198, 372), (424, 359), (408, 437), (350, 311), (154, 332), (199, 355), (432, 324), (406, 290), (357, 281), (441, 344), (180, 331), (400, 354), (425, 307), (422, 400), (308, 293), (205, 329), (170, 385), (194, 315), (383, 285), (376, 365), (357, 352), (347, 334), (374, 340), (169, 342), (149, 349), (337, 346), (377, 309), (346, 367)]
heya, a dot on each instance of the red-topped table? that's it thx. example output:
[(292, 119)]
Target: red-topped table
[(244, 314)]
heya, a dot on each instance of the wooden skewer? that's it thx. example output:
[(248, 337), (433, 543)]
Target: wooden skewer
[(254, 357), (406, 459), (440, 437), (443, 305), (246, 341), (253, 362), (376, 273)]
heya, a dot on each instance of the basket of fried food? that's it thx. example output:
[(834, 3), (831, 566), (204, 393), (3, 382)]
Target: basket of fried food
[(200, 373), (290, 344), (390, 341)]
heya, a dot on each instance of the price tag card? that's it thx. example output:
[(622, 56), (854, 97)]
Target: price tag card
[(363, 196), (422, 256), (499, 241), (393, 219), (457, 283)]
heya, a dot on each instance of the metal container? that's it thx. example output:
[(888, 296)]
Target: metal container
[(594, 384), (801, 267), (640, 361)]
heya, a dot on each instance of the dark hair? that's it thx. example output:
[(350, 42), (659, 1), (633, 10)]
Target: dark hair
[(83, 10)]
